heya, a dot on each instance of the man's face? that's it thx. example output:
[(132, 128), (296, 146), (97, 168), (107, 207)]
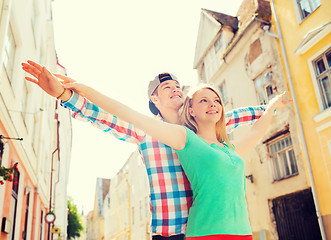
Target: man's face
[(168, 95)]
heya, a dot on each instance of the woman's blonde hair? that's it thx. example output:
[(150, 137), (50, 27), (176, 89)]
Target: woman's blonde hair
[(188, 121)]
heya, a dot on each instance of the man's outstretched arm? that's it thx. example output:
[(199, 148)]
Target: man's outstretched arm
[(83, 109), (243, 116)]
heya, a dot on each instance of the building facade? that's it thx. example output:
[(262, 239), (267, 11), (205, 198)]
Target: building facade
[(240, 58), (127, 209), (97, 225), (306, 59), (43, 156)]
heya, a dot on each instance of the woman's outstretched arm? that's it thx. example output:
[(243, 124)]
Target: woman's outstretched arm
[(170, 134), (246, 143)]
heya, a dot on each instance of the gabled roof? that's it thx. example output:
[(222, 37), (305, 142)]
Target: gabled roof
[(253, 8), (211, 23), (224, 19)]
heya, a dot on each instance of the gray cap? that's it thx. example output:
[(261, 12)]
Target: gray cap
[(152, 86), (159, 79)]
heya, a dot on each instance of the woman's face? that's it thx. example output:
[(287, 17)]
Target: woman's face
[(206, 106)]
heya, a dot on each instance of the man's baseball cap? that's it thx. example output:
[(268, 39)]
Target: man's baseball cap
[(152, 86)]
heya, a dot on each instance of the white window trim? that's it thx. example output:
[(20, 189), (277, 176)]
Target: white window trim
[(297, 11), (313, 76), (270, 83), (223, 84), (305, 45)]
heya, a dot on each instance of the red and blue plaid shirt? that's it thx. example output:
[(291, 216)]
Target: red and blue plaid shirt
[(170, 191)]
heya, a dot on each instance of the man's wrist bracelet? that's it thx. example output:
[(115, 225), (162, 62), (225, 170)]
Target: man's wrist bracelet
[(64, 91)]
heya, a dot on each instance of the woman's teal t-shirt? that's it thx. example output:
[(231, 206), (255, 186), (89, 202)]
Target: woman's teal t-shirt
[(217, 177)]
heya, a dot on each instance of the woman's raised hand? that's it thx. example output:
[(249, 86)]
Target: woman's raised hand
[(279, 102)]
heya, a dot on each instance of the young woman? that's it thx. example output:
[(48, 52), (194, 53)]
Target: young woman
[(211, 163)]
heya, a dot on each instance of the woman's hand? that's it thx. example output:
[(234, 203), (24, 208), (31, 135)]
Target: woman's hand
[(279, 102), (247, 142)]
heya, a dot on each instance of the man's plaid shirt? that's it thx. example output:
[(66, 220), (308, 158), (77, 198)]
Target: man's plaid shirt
[(170, 191)]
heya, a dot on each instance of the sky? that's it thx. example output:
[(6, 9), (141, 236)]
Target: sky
[(117, 47)]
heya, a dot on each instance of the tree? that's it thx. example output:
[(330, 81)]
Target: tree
[(74, 222)]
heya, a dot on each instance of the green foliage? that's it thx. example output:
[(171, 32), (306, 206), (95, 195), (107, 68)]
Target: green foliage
[(7, 173), (75, 226)]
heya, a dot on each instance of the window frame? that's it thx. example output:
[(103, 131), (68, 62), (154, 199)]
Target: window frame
[(298, 10), (218, 44), (9, 57), (225, 99), (277, 154), (270, 83), (314, 77)]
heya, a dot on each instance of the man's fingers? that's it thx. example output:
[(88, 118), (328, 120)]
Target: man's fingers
[(31, 70), (34, 64), (47, 73), (33, 80), (28, 70)]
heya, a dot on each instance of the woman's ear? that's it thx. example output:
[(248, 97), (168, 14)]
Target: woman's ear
[(191, 112)]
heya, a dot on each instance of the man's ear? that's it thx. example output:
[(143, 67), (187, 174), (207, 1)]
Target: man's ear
[(190, 110), (154, 99)]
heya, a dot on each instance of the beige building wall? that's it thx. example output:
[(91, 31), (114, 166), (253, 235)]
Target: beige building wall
[(97, 225), (118, 213), (140, 207), (247, 57), (88, 231), (26, 32)]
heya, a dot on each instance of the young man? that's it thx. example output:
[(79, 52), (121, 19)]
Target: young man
[(171, 194)]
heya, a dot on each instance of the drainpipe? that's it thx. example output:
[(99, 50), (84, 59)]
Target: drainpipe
[(57, 149), (295, 103)]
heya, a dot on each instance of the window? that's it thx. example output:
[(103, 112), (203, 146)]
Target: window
[(9, 53), (2, 145), (132, 215), (26, 216), (13, 204), (264, 88), (36, 131), (147, 202), (306, 7), (322, 67), (34, 22), (283, 158), (25, 101), (203, 73), (218, 44), (140, 211), (224, 93), (41, 224)]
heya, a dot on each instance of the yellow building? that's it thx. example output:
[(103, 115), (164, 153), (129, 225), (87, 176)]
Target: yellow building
[(240, 56), (126, 209), (117, 212), (303, 36)]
